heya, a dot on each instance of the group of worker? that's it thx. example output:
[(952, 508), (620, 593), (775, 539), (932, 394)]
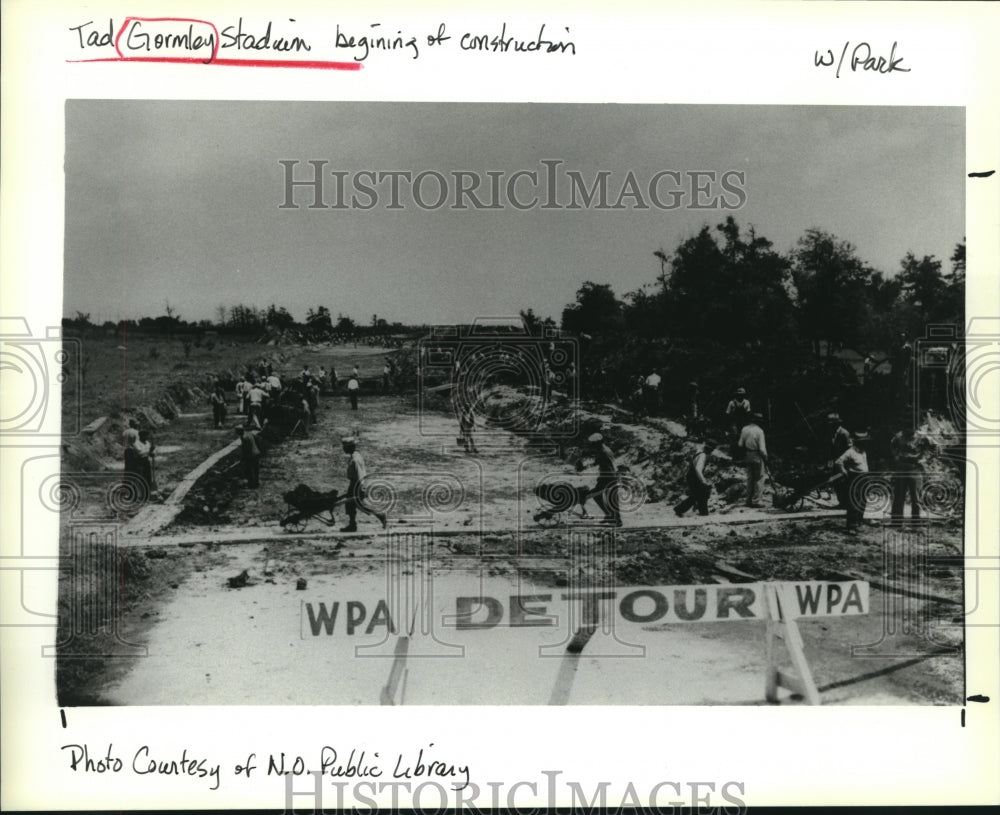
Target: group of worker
[(847, 462), (254, 396), (750, 448), (257, 397)]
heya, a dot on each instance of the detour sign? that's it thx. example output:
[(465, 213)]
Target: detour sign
[(637, 605)]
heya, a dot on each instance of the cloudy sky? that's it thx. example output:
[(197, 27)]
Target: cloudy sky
[(179, 201)]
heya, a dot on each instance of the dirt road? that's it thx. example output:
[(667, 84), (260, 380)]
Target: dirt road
[(258, 642)]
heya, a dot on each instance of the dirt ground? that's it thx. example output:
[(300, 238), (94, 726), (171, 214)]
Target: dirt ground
[(210, 640)]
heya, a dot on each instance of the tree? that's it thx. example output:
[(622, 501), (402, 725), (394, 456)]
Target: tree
[(345, 325), (596, 311), (831, 282), (246, 319), (645, 311), (755, 306), (278, 317), (922, 282), (883, 320), (319, 321), (954, 305), (172, 319), (736, 292), (957, 276), (532, 324)]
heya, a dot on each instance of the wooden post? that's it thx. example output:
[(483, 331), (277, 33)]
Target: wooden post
[(786, 630)]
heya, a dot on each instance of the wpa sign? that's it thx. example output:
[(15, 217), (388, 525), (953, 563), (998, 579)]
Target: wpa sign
[(637, 605)]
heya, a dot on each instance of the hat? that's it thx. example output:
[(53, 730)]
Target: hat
[(741, 391), (833, 417), (348, 440), (595, 438), (757, 417), (861, 436)]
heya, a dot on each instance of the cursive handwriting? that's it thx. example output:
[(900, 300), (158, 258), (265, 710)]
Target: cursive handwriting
[(172, 39), (144, 762), (861, 59)]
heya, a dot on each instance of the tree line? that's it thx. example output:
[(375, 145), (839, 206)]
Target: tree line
[(733, 288), (240, 319)]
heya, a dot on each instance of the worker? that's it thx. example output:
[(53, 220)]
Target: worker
[(130, 436), (356, 473), (353, 387), (840, 440), (218, 400), (867, 367), (242, 389), (145, 449), (467, 427), (605, 491), (907, 472), (651, 392), (852, 464), (698, 487), (737, 413), (250, 453), (754, 448), (255, 400)]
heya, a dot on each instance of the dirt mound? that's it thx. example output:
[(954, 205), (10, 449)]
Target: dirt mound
[(942, 444), (655, 450)]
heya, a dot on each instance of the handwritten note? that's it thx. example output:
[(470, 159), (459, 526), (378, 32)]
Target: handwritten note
[(863, 58), (353, 762), (178, 39)]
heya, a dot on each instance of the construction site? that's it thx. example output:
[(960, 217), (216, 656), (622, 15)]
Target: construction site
[(477, 591)]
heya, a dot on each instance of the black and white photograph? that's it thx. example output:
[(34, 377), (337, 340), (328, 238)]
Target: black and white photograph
[(499, 404), (414, 406)]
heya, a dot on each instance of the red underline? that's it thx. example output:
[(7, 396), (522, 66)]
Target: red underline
[(238, 63)]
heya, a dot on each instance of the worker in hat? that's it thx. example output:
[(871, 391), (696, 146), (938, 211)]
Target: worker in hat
[(754, 448), (840, 440), (852, 464), (605, 491), (737, 413), (356, 473), (699, 488)]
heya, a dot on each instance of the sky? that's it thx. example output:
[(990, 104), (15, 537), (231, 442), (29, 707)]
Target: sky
[(179, 202)]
